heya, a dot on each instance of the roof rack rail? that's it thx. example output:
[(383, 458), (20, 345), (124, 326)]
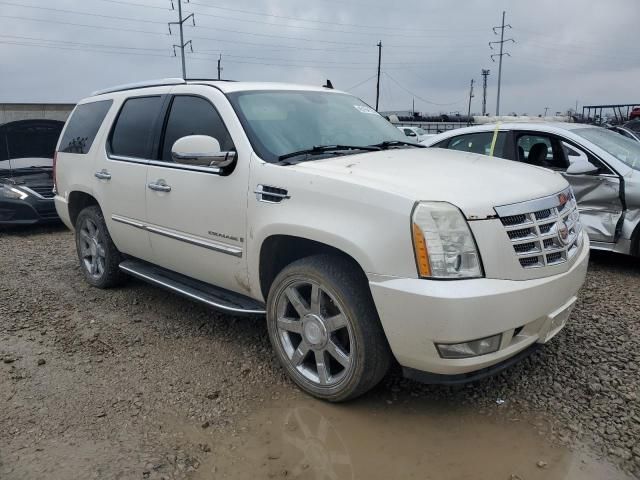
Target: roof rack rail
[(208, 80), (145, 84)]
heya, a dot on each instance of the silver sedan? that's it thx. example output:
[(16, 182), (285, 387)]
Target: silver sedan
[(602, 166)]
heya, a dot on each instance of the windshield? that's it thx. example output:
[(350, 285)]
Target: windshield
[(281, 122), (624, 149)]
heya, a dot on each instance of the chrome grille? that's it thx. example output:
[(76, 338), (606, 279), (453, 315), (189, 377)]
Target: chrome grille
[(543, 232)]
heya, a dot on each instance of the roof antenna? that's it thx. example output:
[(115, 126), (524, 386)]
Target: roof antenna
[(328, 85)]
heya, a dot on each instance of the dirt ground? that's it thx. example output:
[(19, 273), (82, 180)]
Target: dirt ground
[(138, 383)]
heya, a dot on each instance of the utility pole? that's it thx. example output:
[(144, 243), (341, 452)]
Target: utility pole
[(485, 74), (182, 45), (378, 84), (219, 67), (470, 97), (501, 54)]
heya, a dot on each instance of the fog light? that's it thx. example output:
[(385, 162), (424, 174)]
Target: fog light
[(470, 349)]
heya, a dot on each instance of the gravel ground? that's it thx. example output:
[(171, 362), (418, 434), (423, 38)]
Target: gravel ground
[(130, 383)]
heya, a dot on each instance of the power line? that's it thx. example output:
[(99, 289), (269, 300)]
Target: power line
[(418, 96), (323, 28), (324, 22), (91, 45), (360, 83), (60, 10), (500, 55), (102, 27)]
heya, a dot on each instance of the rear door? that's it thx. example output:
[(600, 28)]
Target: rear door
[(597, 194), (121, 172), (198, 222)]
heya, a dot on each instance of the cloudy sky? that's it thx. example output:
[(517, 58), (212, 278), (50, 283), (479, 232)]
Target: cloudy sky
[(565, 52)]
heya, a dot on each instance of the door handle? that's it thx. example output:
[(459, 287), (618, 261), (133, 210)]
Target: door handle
[(159, 186), (102, 175)]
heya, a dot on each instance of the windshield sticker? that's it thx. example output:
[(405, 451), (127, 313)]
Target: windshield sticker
[(363, 109)]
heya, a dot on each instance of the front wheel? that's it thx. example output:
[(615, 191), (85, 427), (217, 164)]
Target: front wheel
[(325, 329), (99, 257)]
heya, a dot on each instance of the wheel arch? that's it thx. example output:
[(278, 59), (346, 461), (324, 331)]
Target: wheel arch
[(279, 250), (77, 201)]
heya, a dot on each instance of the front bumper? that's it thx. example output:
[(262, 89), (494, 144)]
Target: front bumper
[(416, 314), (29, 211)]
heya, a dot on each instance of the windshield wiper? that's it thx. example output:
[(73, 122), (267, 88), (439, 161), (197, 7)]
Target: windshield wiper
[(320, 149), (396, 143)]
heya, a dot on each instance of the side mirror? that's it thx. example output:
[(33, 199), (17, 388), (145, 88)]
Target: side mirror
[(582, 167), (201, 151)]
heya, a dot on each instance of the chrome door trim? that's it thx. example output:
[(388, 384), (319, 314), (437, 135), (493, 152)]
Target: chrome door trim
[(123, 158), (128, 221), (214, 246)]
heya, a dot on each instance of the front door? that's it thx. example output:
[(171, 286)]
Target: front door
[(598, 194), (197, 217)]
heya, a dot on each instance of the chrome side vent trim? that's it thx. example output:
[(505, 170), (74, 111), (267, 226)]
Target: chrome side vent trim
[(268, 194)]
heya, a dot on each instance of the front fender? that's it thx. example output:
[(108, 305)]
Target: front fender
[(371, 226)]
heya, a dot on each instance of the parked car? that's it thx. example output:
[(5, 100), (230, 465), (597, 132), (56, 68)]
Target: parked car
[(415, 133), (26, 171), (635, 113), (626, 132), (305, 205), (602, 167), (633, 125)]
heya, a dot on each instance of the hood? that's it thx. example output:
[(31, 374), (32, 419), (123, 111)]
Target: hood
[(474, 183), (27, 171)]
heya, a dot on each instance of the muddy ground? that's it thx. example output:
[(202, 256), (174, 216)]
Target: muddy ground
[(137, 383)]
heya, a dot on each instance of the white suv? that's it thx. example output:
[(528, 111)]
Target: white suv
[(305, 205)]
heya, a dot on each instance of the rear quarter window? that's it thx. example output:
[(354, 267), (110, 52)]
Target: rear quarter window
[(83, 126)]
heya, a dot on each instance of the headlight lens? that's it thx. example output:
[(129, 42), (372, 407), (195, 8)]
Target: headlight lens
[(443, 244), (11, 192)]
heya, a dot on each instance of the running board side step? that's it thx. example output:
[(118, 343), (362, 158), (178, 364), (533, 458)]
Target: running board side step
[(217, 298)]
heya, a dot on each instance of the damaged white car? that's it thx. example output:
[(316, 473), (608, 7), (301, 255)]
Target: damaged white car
[(602, 167)]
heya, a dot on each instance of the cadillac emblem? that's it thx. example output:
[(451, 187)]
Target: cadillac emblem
[(563, 232), (563, 198)]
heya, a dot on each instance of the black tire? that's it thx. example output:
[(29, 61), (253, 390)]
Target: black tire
[(345, 288), (109, 275)]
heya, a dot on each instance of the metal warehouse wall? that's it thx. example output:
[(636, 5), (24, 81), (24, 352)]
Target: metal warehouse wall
[(10, 112)]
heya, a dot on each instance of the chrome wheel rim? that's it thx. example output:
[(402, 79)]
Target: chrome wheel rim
[(314, 333), (92, 251)]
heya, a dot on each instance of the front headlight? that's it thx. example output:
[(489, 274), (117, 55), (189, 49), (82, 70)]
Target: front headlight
[(443, 244), (13, 193)]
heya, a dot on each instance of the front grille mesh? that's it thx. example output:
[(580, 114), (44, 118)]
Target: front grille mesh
[(545, 237), (45, 191)]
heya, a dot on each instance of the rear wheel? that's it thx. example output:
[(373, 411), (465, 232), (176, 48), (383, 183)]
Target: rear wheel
[(99, 257), (325, 329)]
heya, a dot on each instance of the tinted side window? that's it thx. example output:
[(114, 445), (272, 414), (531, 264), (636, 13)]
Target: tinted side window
[(133, 131), (83, 126), (478, 143), (193, 116)]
